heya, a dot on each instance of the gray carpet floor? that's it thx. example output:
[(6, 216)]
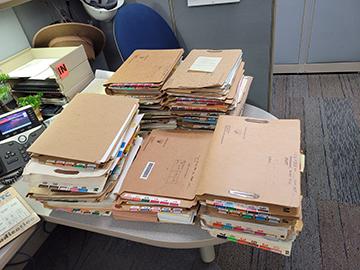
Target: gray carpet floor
[(329, 108)]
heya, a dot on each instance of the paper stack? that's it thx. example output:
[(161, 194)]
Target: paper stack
[(160, 186), (142, 76), (245, 175), (77, 161), (250, 188), (208, 83), (57, 73)]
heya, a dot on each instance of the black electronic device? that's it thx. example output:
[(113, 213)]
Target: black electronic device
[(18, 130)]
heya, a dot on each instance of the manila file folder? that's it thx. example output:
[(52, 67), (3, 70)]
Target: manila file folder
[(254, 160), (87, 129), (245, 160), (169, 165), (183, 77), (147, 66)]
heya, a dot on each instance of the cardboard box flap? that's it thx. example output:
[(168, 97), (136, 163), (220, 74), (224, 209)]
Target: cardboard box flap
[(87, 128), (168, 164), (79, 78), (70, 62), (183, 77), (147, 66), (254, 160)]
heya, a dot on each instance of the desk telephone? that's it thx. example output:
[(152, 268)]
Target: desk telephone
[(18, 130)]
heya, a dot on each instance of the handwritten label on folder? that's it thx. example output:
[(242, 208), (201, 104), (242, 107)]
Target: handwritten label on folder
[(62, 70), (205, 64)]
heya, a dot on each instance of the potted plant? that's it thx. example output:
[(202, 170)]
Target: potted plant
[(5, 95), (34, 101)]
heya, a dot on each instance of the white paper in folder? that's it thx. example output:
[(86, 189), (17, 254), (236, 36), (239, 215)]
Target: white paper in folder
[(97, 85), (205, 64), (37, 69), (128, 163)]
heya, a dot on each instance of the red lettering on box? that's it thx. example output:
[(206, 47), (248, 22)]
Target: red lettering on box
[(62, 70)]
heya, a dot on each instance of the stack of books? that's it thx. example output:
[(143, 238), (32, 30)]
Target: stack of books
[(78, 160), (208, 83), (142, 76), (245, 176)]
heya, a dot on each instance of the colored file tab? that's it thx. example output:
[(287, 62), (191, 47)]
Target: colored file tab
[(150, 199)]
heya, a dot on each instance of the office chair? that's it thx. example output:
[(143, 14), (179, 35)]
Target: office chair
[(137, 26)]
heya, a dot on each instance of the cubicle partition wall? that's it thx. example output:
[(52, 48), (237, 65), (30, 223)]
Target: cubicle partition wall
[(13, 37), (247, 25), (315, 36)]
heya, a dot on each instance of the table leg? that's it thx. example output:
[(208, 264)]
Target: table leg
[(207, 254)]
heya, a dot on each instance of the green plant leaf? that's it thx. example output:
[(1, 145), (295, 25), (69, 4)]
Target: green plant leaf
[(33, 100), (4, 77)]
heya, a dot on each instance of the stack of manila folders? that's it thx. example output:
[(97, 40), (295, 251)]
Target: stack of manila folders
[(208, 83), (189, 94), (142, 76), (79, 160), (244, 177)]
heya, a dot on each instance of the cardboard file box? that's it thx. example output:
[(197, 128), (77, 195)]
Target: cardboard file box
[(72, 71)]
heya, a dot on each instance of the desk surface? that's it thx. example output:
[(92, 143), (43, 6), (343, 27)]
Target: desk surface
[(156, 234)]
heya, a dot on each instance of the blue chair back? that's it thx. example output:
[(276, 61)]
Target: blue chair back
[(136, 26)]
